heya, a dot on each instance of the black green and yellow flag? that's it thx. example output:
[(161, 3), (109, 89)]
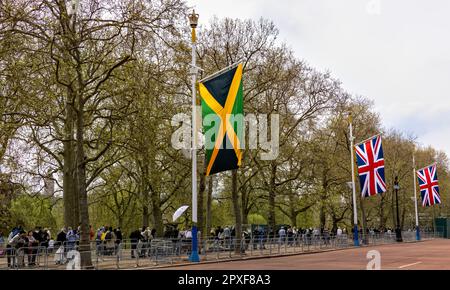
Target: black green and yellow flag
[(222, 113)]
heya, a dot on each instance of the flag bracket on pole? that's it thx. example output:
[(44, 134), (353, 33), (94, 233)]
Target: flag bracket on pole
[(230, 67), (433, 164), (195, 69), (368, 139)]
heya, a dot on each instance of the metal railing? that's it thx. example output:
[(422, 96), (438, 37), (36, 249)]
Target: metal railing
[(157, 252)]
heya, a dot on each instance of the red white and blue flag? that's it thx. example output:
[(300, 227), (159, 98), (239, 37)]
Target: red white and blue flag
[(428, 185), (369, 156)]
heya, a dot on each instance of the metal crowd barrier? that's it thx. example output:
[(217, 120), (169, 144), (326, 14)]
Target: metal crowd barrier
[(157, 252)]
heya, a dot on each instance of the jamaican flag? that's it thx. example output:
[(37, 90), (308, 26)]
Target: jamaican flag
[(222, 105)]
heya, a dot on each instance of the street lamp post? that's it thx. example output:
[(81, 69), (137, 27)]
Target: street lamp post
[(193, 21), (415, 201), (355, 213), (398, 230)]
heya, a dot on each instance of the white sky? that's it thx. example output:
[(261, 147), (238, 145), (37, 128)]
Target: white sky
[(395, 52)]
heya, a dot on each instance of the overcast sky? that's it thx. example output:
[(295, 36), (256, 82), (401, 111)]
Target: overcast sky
[(395, 52)]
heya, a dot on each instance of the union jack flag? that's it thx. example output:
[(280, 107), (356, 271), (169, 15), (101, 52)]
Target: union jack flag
[(369, 156), (428, 184)]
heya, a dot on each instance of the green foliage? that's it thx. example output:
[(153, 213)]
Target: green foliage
[(256, 219), (30, 212), (222, 213)]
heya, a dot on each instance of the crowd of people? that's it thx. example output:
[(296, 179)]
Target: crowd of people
[(20, 243), (260, 235)]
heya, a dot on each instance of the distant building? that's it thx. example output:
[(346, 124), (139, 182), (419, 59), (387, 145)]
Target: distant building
[(49, 185)]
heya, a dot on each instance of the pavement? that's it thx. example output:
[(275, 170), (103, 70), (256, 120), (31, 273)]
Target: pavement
[(425, 255)]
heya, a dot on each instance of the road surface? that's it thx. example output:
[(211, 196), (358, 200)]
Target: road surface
[(427, 255)]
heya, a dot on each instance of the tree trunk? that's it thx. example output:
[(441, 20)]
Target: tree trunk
[(145, 193), (244, 205), (187, 220), (85, 248), (272, 194), (70, 193), (323, 199), (293, 218), (402, 220), (244, 217), (292, 213), (394, 222), (433, 219), (157, 214), (120, 221), (323, 219), (151, 178), (335, 225), (381, 216), (237, 212), (145, 215), (209, 204)]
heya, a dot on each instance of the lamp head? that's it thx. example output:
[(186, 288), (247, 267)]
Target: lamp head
[(350, 117), (193, 19), (396, 186)]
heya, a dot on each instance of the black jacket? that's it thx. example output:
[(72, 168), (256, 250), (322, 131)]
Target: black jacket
[(118, 235), (136, 236), (61, 237)]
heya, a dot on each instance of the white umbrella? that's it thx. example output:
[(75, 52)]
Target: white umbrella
[(179, 212)]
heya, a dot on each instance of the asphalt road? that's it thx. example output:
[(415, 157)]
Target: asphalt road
[(427, 255)]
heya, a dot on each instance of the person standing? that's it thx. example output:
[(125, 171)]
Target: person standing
[(45, 238), (72, 238), (147, 234), (255, 237), (282, 235), (32, 249), (13, 238), (98, 241), (61, 239), (135, 237), (2, 242), (91, 234), (110, 242), (119, 238), (227, 236), (21, 247)]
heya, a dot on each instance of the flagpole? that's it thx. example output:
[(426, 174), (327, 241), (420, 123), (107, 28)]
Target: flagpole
[(415, 200), (355, 214), (194, 257)]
